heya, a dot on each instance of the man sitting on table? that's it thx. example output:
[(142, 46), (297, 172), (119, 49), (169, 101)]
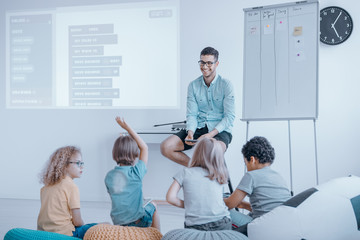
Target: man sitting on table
[(210, 110)]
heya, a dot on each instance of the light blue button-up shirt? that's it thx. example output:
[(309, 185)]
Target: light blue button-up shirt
[(213, 106)]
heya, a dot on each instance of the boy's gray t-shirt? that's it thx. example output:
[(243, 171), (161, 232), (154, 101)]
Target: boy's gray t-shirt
[(203, 198), (266, 190)]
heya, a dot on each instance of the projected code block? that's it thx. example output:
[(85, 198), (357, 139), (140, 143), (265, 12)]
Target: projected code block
[(91, 72), (93, 83), (96, 93), (87, 51), (91, 103)]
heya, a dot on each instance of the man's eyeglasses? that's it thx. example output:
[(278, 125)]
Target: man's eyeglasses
[(79, 163), (208, 64)]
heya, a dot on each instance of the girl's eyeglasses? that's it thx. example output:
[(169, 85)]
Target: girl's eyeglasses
[(79, 163)]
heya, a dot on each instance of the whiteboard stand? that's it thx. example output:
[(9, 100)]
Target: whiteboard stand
[(290, 155), (316, 158), (247, 139), (280, 67), (290, 161)]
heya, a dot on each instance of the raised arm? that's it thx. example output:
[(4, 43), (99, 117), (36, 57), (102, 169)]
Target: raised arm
[(144, 151), (171, 196)]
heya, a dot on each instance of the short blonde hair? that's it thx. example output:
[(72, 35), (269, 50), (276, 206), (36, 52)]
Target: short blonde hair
[(54, 170), (209, 155), (125, 150)]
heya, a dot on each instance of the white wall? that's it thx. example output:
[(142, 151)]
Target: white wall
[(28, 137)]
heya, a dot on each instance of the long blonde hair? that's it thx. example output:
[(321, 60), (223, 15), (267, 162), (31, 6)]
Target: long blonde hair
[(54, 170), (209, 155)]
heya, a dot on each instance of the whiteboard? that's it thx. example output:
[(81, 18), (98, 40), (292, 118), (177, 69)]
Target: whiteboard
[(280, 80)]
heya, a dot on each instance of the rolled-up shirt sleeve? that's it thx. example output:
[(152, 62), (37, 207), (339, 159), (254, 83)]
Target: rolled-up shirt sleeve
[(229, 109), (191, 110)]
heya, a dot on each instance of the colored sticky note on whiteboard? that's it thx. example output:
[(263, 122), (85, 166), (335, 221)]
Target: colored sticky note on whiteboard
[(300, 56), (281, 25), (299, 42), (297, 31), (268, 29)]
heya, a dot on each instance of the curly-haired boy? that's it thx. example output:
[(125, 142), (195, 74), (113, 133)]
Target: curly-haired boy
[(265, 187)]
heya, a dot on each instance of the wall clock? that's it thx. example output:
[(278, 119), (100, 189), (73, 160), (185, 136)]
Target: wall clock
[(335, 25)]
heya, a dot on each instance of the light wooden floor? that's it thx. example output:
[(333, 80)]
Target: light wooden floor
[(19, 213)]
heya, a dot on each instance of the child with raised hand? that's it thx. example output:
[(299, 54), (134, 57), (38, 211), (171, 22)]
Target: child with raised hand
[(265, 187), (202, 184), (60, 198), (124, 182)]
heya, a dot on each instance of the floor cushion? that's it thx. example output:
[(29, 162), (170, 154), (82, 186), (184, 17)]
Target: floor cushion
[(328, 211), (108, 232), (193, 234), (28, 234)]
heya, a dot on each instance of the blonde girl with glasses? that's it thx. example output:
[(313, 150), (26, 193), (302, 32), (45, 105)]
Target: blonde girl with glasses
[(60, 198), (202, 183)]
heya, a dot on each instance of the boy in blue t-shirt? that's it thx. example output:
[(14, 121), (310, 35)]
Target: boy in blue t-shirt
[(265, 187), (124, 182)]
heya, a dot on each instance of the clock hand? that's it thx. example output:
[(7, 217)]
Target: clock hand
[(333, 27), (336, 18)]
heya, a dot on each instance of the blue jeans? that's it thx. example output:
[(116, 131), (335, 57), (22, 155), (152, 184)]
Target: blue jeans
[(146, 220), (238, 219), (80, 231), (222, 224)]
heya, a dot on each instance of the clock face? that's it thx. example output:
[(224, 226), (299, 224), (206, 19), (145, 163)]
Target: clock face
[(335, 25)]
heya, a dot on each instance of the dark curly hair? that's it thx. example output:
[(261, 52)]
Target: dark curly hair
[(210, 51), (259, 148)]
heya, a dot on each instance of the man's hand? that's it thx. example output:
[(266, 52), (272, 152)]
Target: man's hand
[(190, 136)]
